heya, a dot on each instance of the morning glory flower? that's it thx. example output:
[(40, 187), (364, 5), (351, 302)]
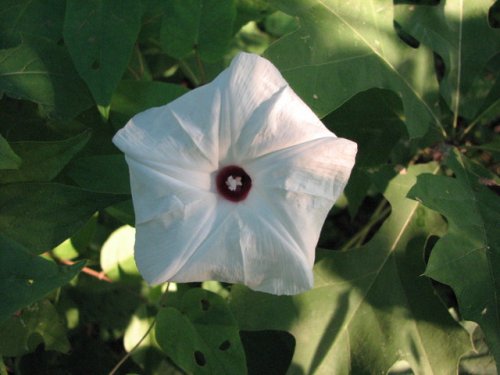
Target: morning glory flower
[(233, 181)]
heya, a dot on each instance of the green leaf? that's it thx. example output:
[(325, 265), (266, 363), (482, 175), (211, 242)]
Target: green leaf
[(42, 215), (381, 109), (117, 255), (202, 337), (459, 32), (101, 173), (8, 158), (41, 18), (467, 258), (26, 278), (345, 47), (39, 323), (202, 25), (42, 161), (133, 97), (40, 71), (100, 35), (370, 306)]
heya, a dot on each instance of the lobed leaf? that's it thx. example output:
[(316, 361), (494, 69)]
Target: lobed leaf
[(345, 47), (370, 306), (467, 258), (459, 32), (100, 35)]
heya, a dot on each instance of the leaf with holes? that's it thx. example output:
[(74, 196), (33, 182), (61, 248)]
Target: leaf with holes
[(25, 278), (42, 161), (345, 47), (100, 35), (459, 32), (41, 71), (38, 323), (202, 337), (468, 257), (202, 25), (370, 306)]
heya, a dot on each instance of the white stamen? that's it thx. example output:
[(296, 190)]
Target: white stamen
[(233, 183)]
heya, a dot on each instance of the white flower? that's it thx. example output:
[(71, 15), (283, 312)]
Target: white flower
[(233, 181)]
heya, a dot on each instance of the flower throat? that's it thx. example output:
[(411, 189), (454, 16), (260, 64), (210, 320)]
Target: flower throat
[(233, 183)]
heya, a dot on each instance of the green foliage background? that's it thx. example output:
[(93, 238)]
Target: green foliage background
[(407, 278)]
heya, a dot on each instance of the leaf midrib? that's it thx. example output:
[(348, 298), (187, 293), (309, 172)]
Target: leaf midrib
[(407, 84), (377, 273)]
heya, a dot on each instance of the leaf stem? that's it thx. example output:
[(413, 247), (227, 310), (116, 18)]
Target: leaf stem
[(459, 67), (129, 354)]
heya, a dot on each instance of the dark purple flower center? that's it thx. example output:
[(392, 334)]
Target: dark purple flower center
[(233, 183)]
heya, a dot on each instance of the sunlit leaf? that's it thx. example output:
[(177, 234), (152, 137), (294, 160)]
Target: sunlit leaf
[(202, 337), (117, 254), (42, 215), (468, 257), (202, 25), (459, 32), (42, 161), (371, 306), (344, 47), (25, 278), (41, 71), (100, 35)]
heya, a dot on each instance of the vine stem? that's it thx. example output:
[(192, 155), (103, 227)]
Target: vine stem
[(87, 270), (129, 354)]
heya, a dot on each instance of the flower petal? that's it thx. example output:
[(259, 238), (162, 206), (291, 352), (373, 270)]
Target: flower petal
[(282, 121), (249, 81), (179, 133), (164, 245), (250, 246), (319, 168), (157, 189)]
